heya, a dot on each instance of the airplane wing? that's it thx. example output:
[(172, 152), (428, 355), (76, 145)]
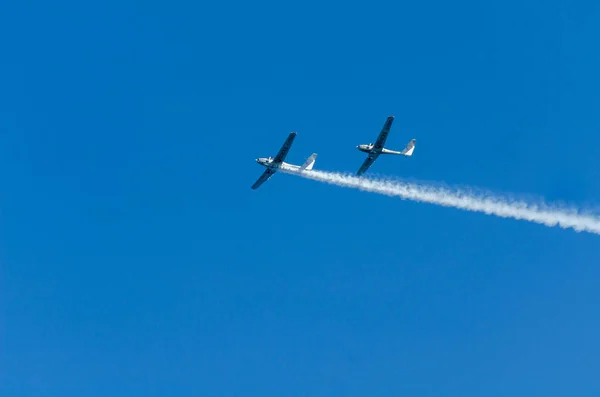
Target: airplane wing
[(384, 132), (368, 162), (285, 148), (263, 178)]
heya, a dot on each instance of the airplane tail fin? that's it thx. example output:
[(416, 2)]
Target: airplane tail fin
[(309, 163), (410, 148)]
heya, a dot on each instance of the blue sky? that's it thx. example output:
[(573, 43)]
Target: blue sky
[(135, 258)]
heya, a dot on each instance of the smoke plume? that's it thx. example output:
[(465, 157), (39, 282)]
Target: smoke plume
[(463, 199)]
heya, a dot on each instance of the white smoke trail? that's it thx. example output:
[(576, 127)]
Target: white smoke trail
[(466, 200)]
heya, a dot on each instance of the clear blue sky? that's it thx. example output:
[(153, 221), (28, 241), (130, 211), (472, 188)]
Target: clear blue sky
[(136, 260)]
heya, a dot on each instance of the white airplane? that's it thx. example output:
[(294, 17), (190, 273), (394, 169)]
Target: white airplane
[(276, 163), (374, 150)]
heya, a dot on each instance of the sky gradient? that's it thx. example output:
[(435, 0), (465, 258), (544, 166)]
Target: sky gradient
[(136, 260)]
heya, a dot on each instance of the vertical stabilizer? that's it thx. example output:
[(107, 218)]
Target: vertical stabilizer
[(309, 163), (410, 148)]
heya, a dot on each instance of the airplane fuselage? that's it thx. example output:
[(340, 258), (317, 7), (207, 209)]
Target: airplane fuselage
[(365, 148), (268, 162), (371, 149)]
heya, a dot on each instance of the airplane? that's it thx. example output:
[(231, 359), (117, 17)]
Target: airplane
[(374, 150), (276, 163)]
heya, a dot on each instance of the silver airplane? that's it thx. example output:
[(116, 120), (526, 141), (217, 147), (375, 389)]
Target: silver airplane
[(276, 163), (374, 150)]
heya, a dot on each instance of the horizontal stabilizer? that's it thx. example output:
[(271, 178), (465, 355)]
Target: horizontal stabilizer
[(410, 148), (309, 163)]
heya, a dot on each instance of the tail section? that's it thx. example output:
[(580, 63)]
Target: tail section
[(410, 148), (309, 163)]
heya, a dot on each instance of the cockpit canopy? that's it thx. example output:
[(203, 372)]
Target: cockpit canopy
[(265, 159)]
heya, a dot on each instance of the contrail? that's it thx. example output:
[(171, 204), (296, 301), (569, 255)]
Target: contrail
[(457, 198)]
